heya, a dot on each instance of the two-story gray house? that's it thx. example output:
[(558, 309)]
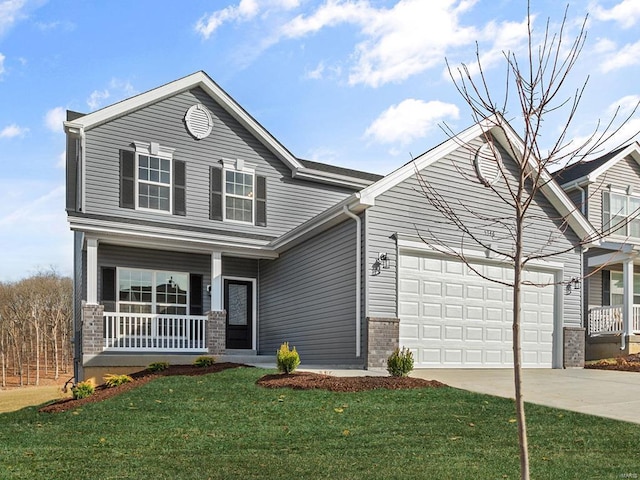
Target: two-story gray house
[(607, 190), (197, 232)]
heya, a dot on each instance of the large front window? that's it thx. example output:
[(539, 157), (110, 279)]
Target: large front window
[(239, 196), (147, 291), (620, 214), (617, 289)]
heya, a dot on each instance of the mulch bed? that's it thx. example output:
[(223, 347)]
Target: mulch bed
[(296, 380), (311, 381), (628, 363)]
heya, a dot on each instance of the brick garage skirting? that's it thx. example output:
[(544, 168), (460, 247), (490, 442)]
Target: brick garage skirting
[(383, 338), (574, 347)]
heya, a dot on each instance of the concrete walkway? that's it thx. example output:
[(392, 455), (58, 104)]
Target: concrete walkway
[(604, 393)]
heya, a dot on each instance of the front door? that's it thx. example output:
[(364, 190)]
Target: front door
[(238, 302)]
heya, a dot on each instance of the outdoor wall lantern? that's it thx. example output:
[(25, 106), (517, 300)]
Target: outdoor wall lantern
[(572, 284), (383, 258)]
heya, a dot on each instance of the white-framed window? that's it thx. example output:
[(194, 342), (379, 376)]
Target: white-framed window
[(239, 192), (153, 291), (617, 290), (620, 214), (153, 177)]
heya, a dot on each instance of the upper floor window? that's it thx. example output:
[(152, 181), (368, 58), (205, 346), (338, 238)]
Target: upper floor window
[(151, 179), (620, 214), (237, 194)]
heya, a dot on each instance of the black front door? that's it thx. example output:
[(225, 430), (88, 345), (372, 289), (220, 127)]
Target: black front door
[(238, 302)]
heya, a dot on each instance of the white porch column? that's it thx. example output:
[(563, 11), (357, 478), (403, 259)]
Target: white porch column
[(92, 271), (627, 284), (216, 281)]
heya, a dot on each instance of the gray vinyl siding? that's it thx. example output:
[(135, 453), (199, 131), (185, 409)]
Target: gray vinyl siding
[(307, 298), (150, 259), (404, 210), (240, 267), (163, 122), (621, 176)]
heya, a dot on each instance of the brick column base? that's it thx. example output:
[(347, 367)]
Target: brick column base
[(216, 331), (92, 329), (574, 347), (383, 338)]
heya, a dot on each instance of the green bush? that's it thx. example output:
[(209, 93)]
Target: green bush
[(111, 380), (83, 390), (400, 362), (287, 360), (204, 361), (158, 366)]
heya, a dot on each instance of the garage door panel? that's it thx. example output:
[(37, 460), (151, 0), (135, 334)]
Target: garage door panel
[(460, 319)]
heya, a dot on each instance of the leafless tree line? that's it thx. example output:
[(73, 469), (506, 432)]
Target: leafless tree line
[(36, 328)]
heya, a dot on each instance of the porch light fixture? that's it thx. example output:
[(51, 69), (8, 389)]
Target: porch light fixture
[(383, 259), (572, 284)]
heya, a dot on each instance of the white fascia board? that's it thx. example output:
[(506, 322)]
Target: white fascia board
[(157, 237), (609, 259), (632, 149), (198, 79), (331, 178), (319, 223)]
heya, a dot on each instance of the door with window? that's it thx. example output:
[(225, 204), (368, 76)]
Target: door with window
[(238, 302)]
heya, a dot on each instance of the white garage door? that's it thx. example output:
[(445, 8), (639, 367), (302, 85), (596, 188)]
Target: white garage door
[(451, 317)]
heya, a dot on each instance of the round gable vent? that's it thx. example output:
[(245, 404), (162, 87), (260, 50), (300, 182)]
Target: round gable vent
[(488, 163), (199, 121)]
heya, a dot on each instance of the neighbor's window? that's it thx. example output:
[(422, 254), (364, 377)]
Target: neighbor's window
[(147, 291), (239, 196), (620, 214)]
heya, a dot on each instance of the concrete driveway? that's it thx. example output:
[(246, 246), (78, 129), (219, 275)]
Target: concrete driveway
[(604, 393)]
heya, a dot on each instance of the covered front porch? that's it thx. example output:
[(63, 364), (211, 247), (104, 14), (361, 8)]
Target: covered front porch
[(613, 327)]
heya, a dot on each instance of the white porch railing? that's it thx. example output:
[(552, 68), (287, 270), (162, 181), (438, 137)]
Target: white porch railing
[(154, 333), (608, 321)]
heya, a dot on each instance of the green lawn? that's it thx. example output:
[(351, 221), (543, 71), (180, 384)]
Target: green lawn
[(223, 426)]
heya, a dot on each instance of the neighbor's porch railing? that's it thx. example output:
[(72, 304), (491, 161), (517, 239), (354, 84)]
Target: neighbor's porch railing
[(154, 333), (608, 321)]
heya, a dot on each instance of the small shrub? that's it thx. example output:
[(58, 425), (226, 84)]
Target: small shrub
[(112, 380), (158, 366), (400, 362), (83, 390), (287, 360), (204, 361)]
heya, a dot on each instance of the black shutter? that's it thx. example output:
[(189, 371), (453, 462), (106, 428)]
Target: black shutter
[(72, 173), (215, 197), (606, 288), (108, 284), (179, 188), (195, 294), (261, 201), (127, 179)]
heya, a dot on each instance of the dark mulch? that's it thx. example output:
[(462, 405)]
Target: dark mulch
[(139, 378), (297, 380), (628, 363), (309, 381)]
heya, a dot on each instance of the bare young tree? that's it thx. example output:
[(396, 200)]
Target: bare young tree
[(535, 86)]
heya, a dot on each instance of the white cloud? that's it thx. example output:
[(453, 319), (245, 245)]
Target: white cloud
[(62, 160), (626, 13), (409, 120), (117, 90), (2, 57), (246, 10), (12, 131), (53, 119), (10, 13), (626, 56)]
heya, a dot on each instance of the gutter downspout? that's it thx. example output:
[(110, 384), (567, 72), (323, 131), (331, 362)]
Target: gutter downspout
[(358, 274)]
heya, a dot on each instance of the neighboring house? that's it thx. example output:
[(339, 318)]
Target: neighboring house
[(607, 190), (197, 232)]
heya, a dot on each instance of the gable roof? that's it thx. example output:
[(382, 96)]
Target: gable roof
[(588, 172), (343, 177), (507, 137)]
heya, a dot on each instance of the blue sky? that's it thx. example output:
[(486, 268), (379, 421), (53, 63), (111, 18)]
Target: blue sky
[(356, 83)]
